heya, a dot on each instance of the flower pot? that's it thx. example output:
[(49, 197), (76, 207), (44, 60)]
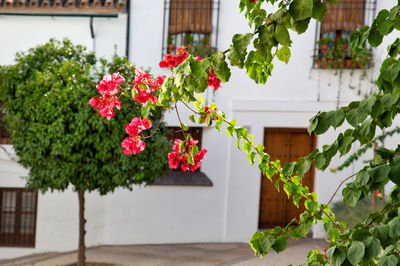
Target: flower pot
[(171, 48), (323, 48), (348, 63)]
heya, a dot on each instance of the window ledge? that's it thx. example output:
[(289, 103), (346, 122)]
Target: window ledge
[(179, 178)]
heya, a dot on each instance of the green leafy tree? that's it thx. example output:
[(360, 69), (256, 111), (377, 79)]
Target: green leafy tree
[(374, 241), (60, 138)]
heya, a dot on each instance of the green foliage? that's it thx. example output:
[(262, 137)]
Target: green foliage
[(358, 213), (58, 136)]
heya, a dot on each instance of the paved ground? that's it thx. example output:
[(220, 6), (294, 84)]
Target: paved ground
[(239, 254)]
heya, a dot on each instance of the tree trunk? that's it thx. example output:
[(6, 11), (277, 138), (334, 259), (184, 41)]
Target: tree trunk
[(82, 232)]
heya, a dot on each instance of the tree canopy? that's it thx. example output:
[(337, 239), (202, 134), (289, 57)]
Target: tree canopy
[(58, 137)]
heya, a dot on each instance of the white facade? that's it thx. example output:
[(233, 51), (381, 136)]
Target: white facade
[(227, 211)]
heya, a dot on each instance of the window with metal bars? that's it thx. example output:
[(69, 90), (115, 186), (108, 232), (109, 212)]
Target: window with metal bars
[(18, 208), (332, 34), (190, 23), (177, 177)]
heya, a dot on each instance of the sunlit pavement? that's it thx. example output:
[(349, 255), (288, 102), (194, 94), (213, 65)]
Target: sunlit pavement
[(178, 254)]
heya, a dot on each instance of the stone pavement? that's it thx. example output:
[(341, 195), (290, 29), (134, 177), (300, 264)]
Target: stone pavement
[(239, 254)]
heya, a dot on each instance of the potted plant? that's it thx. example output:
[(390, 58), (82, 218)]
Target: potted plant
[(206, 41), (323, 44), (188, 40), (171, 44)]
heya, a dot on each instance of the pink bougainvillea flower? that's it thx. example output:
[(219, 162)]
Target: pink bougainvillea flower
[(109, 85), (146, 124), (173, 160), (106, 104), (176, 157), (137, 125), (173, 60), (133, 145), (184, 167), (213, 81), (144, 85)]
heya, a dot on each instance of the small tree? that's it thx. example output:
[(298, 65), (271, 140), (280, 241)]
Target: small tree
[(60, 139)]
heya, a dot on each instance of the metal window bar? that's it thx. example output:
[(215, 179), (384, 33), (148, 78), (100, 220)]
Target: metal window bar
[(197, 19), (18, 208), (341, 19)]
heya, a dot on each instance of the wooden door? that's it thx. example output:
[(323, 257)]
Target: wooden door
[(285, 144)]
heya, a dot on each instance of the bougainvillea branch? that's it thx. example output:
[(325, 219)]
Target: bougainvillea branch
[(270, 39)]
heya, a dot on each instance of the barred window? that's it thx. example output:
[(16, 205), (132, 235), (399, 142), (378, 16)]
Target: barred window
[(18, 208), (177, 177), (190, 23), (339, 21)]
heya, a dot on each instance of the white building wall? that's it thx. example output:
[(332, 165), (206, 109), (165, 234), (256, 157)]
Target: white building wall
[(227, 211)]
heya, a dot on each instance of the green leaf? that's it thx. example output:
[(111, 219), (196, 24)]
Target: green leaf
[(301, 26), (238, 48), (246, 146), (379, 173), (359, 234), (255, 243), (394, 228), (372, 248), (388, 261), (181, 144), (280, 244), (375, 37), (311, 205), (380, 232), (208, 121), (191, 118), (283, 54), (190, 159), (387, 100), (303, 167), (195, 150), (145, 111), (356, 252), (260, 148), (336, 117), (394, 174), (318, 11), (282, 35), (301, 9), (320, 161), (313, 124), (251, 156), (351, 196), (345, 144), (266, 243), (390, 69), (323, 124), (356, 116), (336, 256), (362, 178), (220, 67)]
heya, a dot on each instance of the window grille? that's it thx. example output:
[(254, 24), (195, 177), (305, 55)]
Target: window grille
[(342, 19), (177, 177), (190, 23), (18, 208)]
